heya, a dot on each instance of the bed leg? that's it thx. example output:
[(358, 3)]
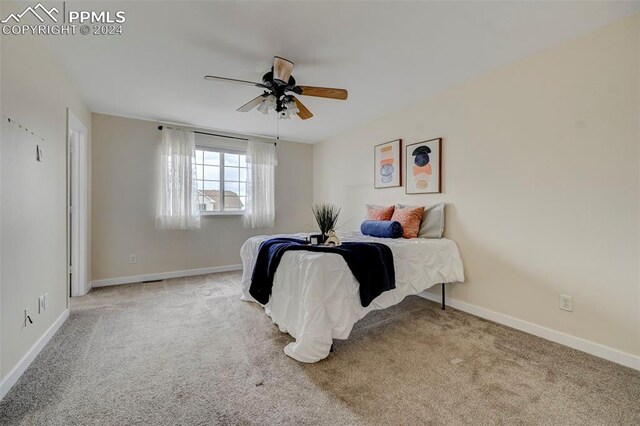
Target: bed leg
[(333, 349), (443, 305)]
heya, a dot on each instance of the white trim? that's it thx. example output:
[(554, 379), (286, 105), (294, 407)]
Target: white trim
[(164, 275), (225, 213), (10, 379), (78, 160), (593, 348), (221, 178)]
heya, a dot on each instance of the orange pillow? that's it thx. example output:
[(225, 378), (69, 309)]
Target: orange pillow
[(379, 212), (409, 218)]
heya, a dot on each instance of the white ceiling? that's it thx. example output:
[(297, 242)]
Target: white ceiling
[(388, 55)]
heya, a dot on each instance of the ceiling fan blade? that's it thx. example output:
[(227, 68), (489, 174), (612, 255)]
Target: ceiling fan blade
[(282, 69), (251, 104), (304, 113), (323, 92), (231, 80)]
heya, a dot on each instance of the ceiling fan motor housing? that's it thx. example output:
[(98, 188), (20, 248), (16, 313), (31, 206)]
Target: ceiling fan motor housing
[(278, 89)]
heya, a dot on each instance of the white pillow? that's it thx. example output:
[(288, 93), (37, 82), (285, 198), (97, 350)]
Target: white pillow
[(432, 224)]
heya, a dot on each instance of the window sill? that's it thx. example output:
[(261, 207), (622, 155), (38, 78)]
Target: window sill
[(221, 213)]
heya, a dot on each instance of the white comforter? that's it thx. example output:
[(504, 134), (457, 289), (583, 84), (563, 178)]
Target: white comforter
[(315, 297)]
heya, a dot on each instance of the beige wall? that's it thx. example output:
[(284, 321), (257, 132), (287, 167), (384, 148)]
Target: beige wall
[(36, 93), (540, 173), (124, 193)]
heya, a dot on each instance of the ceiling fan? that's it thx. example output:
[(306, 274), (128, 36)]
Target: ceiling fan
[(279, 88)]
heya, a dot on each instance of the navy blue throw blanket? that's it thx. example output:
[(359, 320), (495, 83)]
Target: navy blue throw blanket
[(370, 263)]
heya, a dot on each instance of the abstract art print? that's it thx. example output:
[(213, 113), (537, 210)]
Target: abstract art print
[(387, 164), (424, 164)]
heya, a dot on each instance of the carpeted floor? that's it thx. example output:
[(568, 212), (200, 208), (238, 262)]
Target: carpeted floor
[(189, 352)]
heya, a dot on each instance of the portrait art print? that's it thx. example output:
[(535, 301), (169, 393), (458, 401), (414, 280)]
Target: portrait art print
[(424, 167), (387, 164)]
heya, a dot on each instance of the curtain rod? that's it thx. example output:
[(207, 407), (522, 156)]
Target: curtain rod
[(213, 134)]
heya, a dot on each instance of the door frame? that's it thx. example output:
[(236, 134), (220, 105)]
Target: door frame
[(77, 206)]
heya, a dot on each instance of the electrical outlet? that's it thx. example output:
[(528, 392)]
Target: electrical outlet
[(41, 304), (133, 259), (27, 317), (46, 301), (566, 303)]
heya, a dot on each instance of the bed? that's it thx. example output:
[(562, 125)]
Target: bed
[(315, 296)]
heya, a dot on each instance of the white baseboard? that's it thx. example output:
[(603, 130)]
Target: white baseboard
[(593, 348), (86, 288), (164, 275), (10, 379)]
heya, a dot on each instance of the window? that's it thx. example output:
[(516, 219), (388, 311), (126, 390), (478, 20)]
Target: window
[(222, 179)]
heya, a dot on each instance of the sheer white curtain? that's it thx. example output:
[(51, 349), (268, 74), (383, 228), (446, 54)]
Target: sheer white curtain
[(177, 186), (260, 209)]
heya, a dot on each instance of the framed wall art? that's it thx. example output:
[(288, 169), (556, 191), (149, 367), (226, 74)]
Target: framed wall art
[(387, 164), (424, 167)]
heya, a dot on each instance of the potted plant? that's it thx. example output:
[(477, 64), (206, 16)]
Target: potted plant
[(326, 215)]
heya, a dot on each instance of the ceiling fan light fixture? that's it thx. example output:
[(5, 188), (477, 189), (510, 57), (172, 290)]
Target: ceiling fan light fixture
[(263, 107), (292, 108), (268, 103)]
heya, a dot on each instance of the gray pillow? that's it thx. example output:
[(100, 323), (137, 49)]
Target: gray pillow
[(432, 224)]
